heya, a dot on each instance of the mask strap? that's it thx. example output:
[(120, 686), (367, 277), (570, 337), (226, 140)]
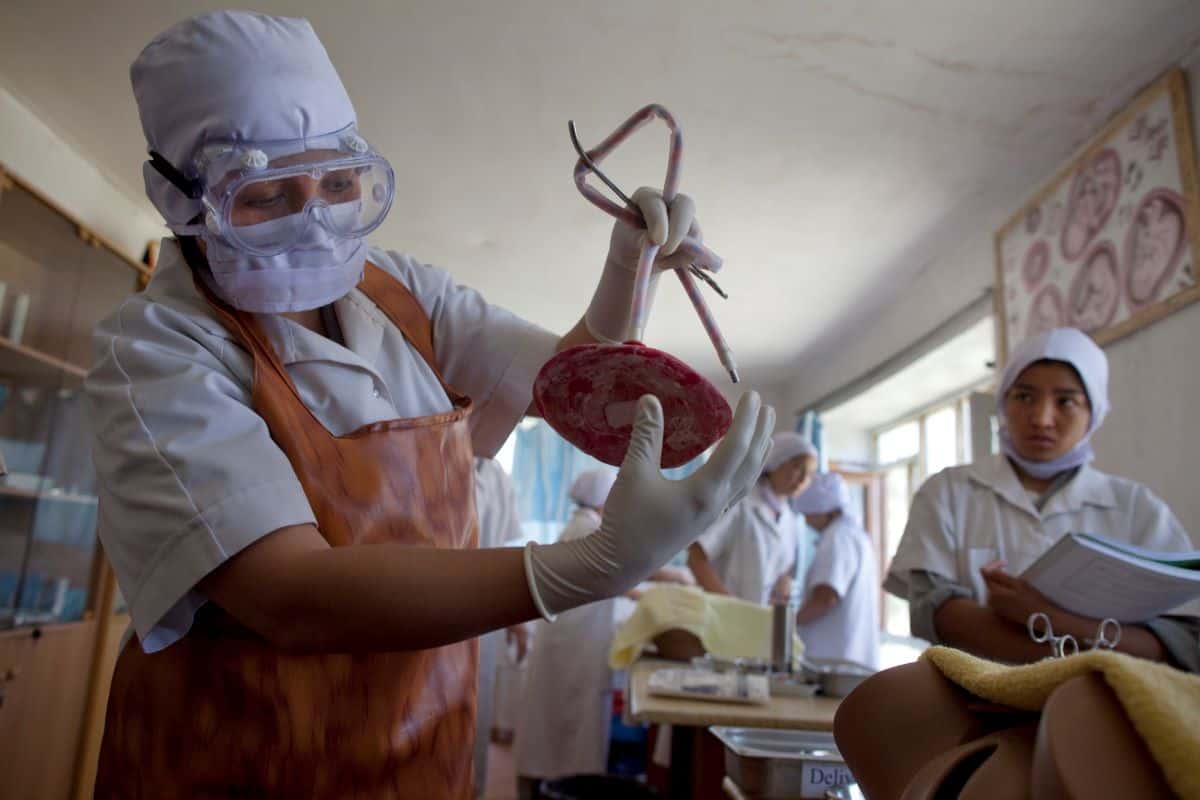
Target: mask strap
[(191, 187)]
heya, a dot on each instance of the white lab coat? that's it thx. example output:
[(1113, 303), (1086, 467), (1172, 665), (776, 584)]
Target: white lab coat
[(965, 517), (565, 714), (750, 549), (499, 524), (188, 474), (845, 561)]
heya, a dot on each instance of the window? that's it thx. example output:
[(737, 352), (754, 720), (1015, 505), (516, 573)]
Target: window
[(934, 439), (941, 440), (899, 443)]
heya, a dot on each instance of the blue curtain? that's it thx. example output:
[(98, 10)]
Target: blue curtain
[(544, 467), (809, 425)]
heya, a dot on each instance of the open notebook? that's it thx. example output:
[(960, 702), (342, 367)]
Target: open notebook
[(1097, 577)]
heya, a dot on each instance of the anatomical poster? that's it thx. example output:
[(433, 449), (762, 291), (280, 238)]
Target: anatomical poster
[(1111, 243)]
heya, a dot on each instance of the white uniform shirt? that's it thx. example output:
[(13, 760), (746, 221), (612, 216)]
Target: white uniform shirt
[(188, 473), (750, 549), (496, 505), (845, 562), (964, 517)]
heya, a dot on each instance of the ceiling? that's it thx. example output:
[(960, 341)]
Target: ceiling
[(961, 363), (829, 144)]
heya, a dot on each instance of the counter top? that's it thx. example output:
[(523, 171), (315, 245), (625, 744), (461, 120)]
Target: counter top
[(799, 713)]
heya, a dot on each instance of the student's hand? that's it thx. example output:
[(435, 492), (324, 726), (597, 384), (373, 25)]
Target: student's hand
[(1012, 598), (782, 591), (648, 518), (674, 229), (665, 227)]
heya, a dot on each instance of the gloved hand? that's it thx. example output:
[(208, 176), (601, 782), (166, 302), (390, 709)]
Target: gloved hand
[(648, 518), (607, 317)]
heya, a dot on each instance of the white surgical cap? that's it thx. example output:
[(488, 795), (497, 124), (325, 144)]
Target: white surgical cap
[(231, 75), (825, 494), (785, 447), (591, 488)]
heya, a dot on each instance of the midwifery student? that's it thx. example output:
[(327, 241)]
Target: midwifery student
[(973, 529), (839, 618), (750, 552), (284, 425)]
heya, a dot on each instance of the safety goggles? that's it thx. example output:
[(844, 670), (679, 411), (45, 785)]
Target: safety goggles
[(268, 198)]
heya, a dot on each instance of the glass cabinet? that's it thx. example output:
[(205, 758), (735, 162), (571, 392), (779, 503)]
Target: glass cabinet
[(57, 281)]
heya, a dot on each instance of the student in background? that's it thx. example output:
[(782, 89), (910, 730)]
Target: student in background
[(499, 525), (839, 618), (973, 529), (750, 552)]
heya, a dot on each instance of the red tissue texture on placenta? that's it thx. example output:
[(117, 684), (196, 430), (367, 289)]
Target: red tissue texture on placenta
[(589, 395)]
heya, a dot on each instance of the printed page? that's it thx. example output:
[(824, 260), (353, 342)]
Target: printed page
[(1086, 580)]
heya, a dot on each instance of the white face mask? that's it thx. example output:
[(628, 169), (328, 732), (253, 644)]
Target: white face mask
[(318, 269)]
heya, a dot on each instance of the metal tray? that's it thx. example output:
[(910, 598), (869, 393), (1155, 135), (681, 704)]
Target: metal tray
[(772, 764)]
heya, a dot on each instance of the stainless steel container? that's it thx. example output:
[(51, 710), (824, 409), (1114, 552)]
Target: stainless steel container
[(836, 678), (782, 765), (783, 636)]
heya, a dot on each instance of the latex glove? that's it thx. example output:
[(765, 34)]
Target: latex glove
[(608, 316), (648, 518)]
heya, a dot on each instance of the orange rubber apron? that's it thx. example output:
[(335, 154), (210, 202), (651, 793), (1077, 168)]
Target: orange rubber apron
[(222, 713)]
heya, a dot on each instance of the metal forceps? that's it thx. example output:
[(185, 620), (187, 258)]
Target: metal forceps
[(1108, 635), (1041, 632), (1103, 641), (587, 163), (627, 200)]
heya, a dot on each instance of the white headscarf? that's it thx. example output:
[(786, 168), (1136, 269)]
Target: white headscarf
[(231, 75), (825, 494), (1069, 346), (591, 488), (786, 446)]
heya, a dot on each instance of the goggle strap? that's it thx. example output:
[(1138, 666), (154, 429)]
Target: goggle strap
[(192, 188)]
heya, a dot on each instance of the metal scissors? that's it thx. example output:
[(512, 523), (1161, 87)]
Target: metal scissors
[(1042, 632)]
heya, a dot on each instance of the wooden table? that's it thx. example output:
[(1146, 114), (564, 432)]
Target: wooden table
[(697, 757), (798, 713)]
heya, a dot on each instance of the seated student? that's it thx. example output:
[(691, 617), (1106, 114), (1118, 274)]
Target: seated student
[(973, 529), (751, 550), (839, 618)]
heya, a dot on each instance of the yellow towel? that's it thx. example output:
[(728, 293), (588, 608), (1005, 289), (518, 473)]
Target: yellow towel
[(1163, 703), (726, 626)]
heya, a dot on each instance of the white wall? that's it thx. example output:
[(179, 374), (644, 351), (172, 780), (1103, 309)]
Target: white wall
[(1153, 434), (42, 158), (848, 445)]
